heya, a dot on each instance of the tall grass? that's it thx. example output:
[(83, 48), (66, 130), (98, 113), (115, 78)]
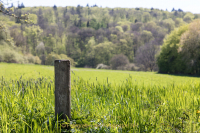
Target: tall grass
[(27, 105)]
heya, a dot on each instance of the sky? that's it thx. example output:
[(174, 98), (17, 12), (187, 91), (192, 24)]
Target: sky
[(186, 5)]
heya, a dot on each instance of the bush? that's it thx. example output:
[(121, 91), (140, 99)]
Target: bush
[(25, 60), (7, 54), (37, 60), (11, 56), (65, 57), (51, 58), (118, 61), (30, 58)]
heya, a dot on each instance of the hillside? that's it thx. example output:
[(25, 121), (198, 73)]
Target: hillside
[(89, 35)]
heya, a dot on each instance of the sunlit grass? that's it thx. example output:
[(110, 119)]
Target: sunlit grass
[(27, 102), (15, 71)]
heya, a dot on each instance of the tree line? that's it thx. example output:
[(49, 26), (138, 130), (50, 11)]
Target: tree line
[(91, 35)]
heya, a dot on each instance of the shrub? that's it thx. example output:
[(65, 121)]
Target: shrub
[(37, 60), (25, 60), (118, 61), (65, 57), (11, 56), (30, 58), (50, 59)]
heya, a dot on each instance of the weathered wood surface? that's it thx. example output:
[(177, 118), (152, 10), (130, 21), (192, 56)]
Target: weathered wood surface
[(62, 88)]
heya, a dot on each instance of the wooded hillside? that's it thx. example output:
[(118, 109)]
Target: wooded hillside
[(89, 35)]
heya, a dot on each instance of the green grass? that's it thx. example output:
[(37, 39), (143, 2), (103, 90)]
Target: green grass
[(152, 103), (15, 71)]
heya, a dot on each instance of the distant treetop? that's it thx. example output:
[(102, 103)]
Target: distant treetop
[(55, 7), (20, 6)]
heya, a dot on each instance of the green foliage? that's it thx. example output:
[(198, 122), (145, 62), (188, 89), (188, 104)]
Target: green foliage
[(103, 52), (146, 36), (65, 57), (33, 18), (37, 60), (52, 57), (169, 24), (188, 17), (119, 28), (189, 48), (90, 35), (180, 51), (11, 56), (33, 59), (168, 59), (32, 34)]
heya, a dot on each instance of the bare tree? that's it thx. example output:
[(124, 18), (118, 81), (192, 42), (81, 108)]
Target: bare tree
[(145, 56)]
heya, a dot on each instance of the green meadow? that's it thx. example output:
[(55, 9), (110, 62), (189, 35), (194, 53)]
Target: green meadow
[(15, 71), (101, 101)]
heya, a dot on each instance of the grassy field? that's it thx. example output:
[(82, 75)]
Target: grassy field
[(102, 101), (15, 71)]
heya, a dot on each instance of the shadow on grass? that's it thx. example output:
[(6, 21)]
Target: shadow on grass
[(180, 75)]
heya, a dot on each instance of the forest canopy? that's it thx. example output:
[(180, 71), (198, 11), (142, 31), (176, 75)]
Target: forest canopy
[(93, 35)]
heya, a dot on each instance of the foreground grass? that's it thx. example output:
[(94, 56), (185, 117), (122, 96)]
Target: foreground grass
[(27, 105)]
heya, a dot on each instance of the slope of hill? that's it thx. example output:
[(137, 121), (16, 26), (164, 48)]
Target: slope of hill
[(93, 35)]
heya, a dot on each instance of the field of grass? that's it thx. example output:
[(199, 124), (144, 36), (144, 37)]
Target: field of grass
[(102, 101), (15, 71)]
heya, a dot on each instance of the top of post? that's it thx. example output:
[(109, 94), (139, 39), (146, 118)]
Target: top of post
[(62, 60)]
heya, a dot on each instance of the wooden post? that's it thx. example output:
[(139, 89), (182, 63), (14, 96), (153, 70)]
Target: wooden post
[(62, 88)]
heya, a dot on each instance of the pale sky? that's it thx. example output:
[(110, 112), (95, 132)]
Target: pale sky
[(186, 5)]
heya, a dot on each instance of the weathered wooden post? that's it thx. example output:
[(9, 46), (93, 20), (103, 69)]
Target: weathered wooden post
[(62, 88)]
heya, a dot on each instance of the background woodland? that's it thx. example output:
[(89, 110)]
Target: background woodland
[(107, 38)]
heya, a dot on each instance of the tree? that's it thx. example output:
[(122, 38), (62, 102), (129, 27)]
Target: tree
[(180, 10), (103, 52), (9, 11), (188, 17), (55, 7), (190, 47), (145, 56), (21, 6), (146, 36), (20, 40), (146, 17), (168, 59), (41, 20), (169, 24), (32, 34), (137, 26)]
